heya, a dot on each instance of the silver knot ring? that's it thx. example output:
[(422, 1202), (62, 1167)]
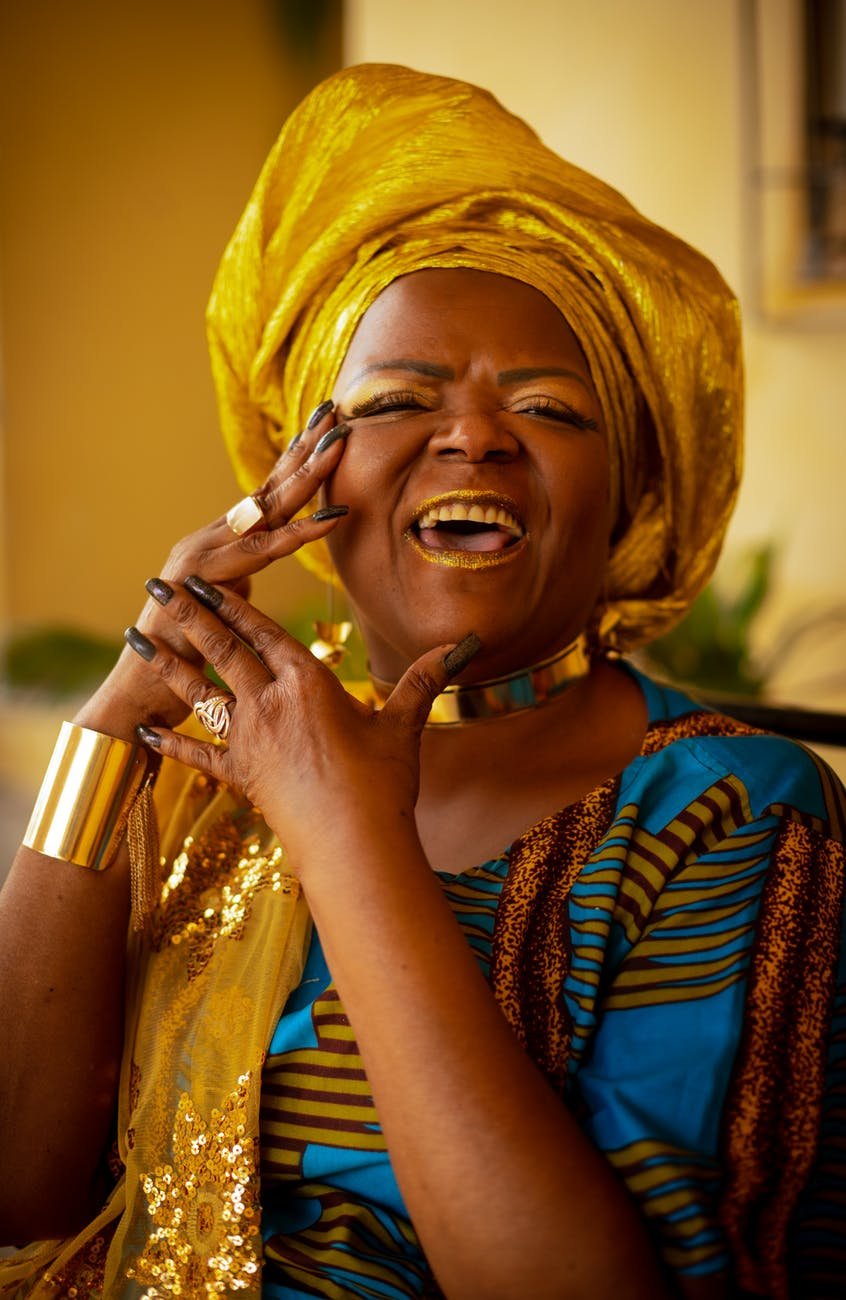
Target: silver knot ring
[(215, 713)]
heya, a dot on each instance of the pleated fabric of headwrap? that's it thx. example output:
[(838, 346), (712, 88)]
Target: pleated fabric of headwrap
[(382, 171)]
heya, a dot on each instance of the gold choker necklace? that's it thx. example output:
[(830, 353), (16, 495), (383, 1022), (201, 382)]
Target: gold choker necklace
[(528, 688)]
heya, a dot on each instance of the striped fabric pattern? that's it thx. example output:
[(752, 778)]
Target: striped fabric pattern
[(637, 945)]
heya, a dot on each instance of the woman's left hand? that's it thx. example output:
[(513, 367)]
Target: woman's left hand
[(298, 743)]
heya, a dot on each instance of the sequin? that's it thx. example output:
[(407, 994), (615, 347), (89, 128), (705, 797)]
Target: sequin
[(204, 1238), (81, 1278), (208, 894)]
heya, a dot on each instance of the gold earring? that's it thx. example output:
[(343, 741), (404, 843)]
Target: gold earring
[(329, 645), (332, 634), (607, 622)]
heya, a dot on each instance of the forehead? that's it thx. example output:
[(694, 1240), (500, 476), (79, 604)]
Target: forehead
[(454, 316)]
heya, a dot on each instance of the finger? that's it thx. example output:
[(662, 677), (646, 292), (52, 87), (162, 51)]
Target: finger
[(283, 499), (255, 551), (209, 635), (180, 676), (231, 560), (208, 758), (245, 515), (296, 453), (316, 423), (277, 649), (411, 700)]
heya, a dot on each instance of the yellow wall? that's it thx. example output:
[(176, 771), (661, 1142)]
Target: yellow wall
[(130, 136), (652, 96)]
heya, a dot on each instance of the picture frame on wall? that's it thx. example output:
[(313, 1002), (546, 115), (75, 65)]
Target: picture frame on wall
[(794, 78)]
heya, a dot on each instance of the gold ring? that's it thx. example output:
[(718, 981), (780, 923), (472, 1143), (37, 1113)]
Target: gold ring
[(215, 713), (244, 515)]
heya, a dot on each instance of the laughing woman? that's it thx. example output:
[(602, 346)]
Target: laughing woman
[(539, 998)]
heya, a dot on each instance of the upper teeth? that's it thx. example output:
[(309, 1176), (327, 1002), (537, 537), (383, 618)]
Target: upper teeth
[(476, 514)]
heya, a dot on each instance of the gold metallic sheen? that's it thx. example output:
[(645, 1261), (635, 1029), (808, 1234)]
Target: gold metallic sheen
[(85, 798), (481, 498), (530, 688), (329, 645), (244, 515), (465, 559), (215, 714), (436, 173)]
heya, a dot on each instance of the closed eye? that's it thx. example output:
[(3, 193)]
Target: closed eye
[(556, 409), (380, 402)]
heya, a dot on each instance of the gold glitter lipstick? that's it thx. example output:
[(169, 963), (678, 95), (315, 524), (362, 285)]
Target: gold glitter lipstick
[(501, 506)]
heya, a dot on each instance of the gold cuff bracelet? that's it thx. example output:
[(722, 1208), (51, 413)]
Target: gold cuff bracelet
[(86, 797)]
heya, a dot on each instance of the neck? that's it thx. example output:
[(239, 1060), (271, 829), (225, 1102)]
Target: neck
[(515, 693)]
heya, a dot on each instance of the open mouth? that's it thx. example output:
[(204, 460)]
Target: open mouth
[(471, 522)]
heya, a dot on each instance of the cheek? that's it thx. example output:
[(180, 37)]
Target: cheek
[(364, 471), (580, 504), (360, 483)]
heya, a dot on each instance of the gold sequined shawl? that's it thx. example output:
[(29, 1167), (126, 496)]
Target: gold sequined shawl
[(206, 986), (382, 171)]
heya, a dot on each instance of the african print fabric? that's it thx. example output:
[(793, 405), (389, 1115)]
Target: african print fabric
[(668, 950)]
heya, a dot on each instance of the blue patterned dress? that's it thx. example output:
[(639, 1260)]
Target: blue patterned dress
[(670, 949)]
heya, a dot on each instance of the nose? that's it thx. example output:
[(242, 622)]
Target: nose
[(474, 436)]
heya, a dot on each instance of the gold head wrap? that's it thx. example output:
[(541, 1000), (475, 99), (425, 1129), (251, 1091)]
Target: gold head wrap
[(382, 171)]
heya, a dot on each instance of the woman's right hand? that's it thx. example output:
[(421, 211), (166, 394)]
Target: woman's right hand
[(129, 694)]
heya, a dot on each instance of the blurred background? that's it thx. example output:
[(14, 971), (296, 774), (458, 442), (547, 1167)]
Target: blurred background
[(130, 138)]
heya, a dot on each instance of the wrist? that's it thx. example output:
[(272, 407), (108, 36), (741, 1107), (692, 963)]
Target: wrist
[(130, 695), (363, 841)]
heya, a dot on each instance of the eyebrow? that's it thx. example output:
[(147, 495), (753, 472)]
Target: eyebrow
[(539, 372), (405, 363), (434, 371)]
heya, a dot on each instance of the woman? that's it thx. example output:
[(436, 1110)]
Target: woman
[(599, 1059)]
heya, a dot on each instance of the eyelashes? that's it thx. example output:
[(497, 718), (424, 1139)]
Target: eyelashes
[(398, 401), (561, 411), (409, 400)]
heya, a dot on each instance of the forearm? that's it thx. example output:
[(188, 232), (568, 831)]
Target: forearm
[(483, 1150), (62, 955)]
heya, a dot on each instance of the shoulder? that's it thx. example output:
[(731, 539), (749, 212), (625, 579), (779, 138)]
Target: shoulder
[(689, 749)]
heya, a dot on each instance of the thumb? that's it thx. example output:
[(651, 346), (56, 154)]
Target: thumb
[(415, 692)]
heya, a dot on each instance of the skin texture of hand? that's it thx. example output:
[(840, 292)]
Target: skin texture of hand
[(129, 694), (299, 746), (297, 737), (63, 929)]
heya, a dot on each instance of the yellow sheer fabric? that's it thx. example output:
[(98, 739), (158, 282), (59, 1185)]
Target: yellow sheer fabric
[(382, 171), (227, 945)]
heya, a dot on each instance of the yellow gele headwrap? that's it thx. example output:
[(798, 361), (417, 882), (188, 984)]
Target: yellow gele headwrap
[(382, 171)]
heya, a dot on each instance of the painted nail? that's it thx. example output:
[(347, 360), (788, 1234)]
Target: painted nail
[(461, 654), (294, 443), (318, 413), (204, 592), (148, 737), (141, 644), (159, 590), (332, 436), (330, 512)]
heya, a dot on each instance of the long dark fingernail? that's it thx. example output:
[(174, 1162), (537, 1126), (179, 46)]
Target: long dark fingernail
[(318, 413), (460, 655), (332, 436), (295, 441), (148, 737), (159, 590), (204, 592), (141, 644), (329, 512)]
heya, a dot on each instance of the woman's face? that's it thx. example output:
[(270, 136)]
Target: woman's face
[(476, 473)]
